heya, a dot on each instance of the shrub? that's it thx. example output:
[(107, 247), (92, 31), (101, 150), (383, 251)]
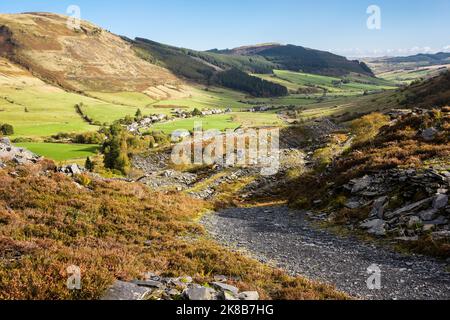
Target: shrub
[(367, 127), (6, 129), (89, 165)]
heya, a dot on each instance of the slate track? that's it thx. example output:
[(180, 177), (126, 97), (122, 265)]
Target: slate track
[(286, 239)]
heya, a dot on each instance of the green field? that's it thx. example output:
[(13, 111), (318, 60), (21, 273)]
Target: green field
[(35, 112), (356, 85), (219, 122), (61, 152), (39, 113), (222, 122)]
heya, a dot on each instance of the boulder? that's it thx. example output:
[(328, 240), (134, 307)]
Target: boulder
[(361, 184), (410, 208), (429, 134), (200, 294), (228, 296), (125, 291), (74, 169), (440, 201), (5, 141), (375, 227), (428, 215), (225, 287), (249, 295), (353, 204), (378, 207), (149, 284)]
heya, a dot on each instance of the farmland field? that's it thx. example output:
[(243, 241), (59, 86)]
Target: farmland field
[(355, 85), (220, 122), (61, 152)]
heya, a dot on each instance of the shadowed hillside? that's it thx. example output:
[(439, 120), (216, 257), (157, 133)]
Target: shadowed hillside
[(296, 58)]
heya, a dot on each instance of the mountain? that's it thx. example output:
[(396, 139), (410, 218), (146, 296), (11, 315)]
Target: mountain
[(297, 58), (423, 59), (89, 58), (409, 63), (197, 65), (212, 68)]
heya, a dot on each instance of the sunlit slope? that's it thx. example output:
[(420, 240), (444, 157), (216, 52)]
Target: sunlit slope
[(89, 58)]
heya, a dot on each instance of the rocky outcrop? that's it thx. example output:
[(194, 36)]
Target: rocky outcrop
[(72, 169), (20, 156), (154, 287), (404, 203)]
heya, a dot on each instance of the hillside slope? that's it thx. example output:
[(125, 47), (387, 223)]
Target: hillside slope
[(197, 65), (387, 64), (297, 58), (84, 59)]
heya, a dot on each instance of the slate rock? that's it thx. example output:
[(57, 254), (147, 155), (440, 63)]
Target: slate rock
[(440, 201), (225, 287), (125, 291), (249, 296), (149, 284), (200, 294)]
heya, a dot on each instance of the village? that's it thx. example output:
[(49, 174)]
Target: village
[(147, 121)]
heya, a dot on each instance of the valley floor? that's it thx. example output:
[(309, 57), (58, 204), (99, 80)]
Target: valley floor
[(285, 238)]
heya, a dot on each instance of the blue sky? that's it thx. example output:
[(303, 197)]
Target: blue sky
[(407, 27)]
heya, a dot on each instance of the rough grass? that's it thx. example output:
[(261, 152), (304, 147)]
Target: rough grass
[(114, 230)]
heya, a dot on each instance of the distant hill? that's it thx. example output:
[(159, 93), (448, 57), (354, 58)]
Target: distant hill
[(297, 58), (409, 63), (92, 59), (423, 59), (212, 68), (197, 65)]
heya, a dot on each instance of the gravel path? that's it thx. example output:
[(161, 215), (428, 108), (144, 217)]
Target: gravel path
[(286, 239)]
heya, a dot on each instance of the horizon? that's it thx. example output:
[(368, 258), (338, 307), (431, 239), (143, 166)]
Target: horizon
[(338, 28)]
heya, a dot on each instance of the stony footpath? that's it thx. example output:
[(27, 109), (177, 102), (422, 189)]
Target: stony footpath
[(287, 239), (154, 287)]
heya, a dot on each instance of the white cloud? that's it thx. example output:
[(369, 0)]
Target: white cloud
[(446, 48)]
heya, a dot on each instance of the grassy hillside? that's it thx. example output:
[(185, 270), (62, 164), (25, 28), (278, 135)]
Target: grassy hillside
[(427, 94), (406, 76), (351, 84), (78, 59)]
